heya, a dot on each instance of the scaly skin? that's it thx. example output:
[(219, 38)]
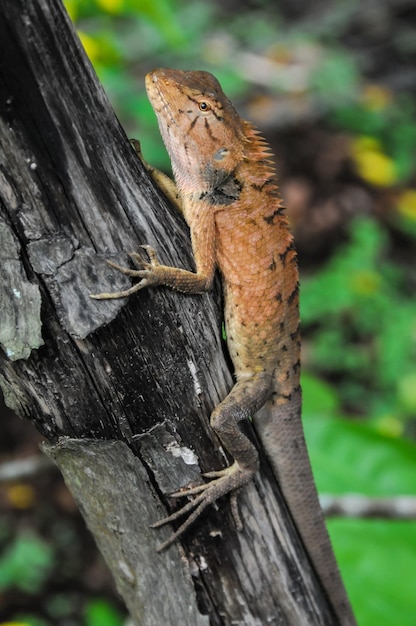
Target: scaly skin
[(226, 189)]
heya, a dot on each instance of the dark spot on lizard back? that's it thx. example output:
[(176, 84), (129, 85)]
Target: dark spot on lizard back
[(295, 333), (283, 255), (261, 187), (270, 218), (293, 295)]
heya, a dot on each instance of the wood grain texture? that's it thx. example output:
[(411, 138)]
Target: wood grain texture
[(120, 521), (144, 373)]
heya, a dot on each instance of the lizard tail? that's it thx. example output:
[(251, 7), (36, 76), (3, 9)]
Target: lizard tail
[(280, 430)]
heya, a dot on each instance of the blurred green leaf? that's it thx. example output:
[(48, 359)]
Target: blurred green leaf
[(350, 457), (26, 563), (163, 14), (99, 612), (374, 555), (378, 561), (359, 323), (318, 397), (336, 78), (59, 606)]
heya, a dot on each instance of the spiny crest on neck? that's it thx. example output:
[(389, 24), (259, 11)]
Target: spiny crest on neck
[(256, 147), (258, 163)]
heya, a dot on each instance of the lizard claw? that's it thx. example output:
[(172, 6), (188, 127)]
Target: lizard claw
[(145, 271), (135, 144), (151, 253), (229, 479)]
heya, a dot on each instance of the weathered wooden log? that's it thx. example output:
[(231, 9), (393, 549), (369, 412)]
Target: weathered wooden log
[(122, 390)]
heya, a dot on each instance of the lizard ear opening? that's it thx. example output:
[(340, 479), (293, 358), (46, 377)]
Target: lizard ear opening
[(221, 154)]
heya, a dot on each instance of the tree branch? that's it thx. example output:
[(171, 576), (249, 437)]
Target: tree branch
[(354, 505)]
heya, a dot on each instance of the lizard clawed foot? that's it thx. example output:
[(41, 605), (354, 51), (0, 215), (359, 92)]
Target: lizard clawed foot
[(224, 481), (146, 272), (135, 144)]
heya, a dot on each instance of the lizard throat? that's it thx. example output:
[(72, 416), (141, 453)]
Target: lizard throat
[(225, 193)]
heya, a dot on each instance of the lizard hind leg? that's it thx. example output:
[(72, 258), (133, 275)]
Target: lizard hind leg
[(245, 398)]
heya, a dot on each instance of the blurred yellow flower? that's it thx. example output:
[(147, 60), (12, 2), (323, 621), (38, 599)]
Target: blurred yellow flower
[(91, 47), (365, 282), (376, 97), (407, 392), (371, 163), (390, 426), (14, 624), (406, 204), (20, 496), (111, 6)]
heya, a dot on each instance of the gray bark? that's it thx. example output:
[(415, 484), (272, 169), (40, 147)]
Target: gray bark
[(122, 390), (106, 480)]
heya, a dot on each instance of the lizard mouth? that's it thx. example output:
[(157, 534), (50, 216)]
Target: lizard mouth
[(154, 88)]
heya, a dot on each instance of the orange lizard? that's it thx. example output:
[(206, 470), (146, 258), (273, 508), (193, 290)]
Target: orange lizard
[(226, 190)]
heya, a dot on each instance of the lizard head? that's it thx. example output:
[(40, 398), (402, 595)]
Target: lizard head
[(201, 129)]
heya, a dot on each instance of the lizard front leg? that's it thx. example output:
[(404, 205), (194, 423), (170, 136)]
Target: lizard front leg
[(152, 273), (246, 398)]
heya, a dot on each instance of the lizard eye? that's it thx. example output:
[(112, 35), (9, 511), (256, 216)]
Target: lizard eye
[(204, 106)]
